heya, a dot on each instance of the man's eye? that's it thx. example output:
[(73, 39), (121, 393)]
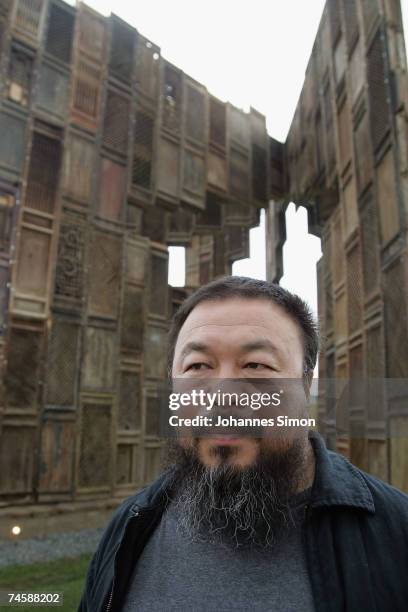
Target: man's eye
[(253, 365), (197, 366)]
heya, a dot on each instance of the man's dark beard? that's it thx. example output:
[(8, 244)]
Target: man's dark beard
[(233, 505)]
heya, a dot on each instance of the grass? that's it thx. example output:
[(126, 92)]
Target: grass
[(64, 575)]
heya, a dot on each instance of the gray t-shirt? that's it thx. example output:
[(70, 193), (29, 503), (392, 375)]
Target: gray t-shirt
[(176, 574)]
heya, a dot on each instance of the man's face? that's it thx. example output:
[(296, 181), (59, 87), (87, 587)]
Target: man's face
[(237, 338)]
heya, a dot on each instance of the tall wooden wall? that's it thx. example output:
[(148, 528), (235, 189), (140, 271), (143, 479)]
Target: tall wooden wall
[(108, 154), (346, 160)]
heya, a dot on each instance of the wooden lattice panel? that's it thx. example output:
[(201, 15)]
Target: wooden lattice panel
[(206, 259), (28, 18), (129, 409), (193, 263), (329, 127), (58, 42), (116, 122), (52, 92), (239, 175), (43, 173), (181, 228), (95, 460), (334, 14), (217, 177), (370, 246), (19, 78), (370, 11), (91, 39), (354, 290), (328, 301), (105, 273), (12, 141), (377, 89), (396, 326), (195, 112), (339, 60), (387, 197), (7, 219), (23, 362), (399, 452), (236, 213), (259, 173), (218, 123), (237, 239), (351, 23), (69, 277), (344, 128), (62, 363), (375, 366), (134, 215), (342, 407), (356, 69), (57, 454), (79, 165), (142, 163), (152, 419), (147, 68), (212, 217), (99, 359), (112, 190), (133, 319), (363, 158), (377, 458), (155, 224), (171, 98), (32, 265), (17, 459), (338, 255), (152, 463), (350, 207), (340, 315), (122, 50), (155, 347), (125, 464), (168, 169), (135, 261), (238, 127), (259, 158), (158, 283), (193, 165), (86, 93)]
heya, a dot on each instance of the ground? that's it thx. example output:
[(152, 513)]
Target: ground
[(63, 575)]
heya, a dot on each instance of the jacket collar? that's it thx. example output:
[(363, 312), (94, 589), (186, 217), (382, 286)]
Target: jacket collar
[(337, 482)]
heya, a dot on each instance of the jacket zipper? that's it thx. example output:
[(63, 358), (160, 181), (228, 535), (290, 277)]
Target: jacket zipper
[(113, 585), (110, 600)]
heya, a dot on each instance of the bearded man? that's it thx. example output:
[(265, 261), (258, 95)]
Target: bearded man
[(250, 522)]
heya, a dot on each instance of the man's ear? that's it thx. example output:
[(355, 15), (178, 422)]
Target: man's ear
[(307, 381)]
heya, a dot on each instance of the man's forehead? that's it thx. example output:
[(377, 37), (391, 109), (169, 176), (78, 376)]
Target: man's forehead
[(247, 316)]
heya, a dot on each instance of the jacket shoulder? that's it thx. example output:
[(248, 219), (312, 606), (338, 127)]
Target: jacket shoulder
[(145, 497), (388, 500)]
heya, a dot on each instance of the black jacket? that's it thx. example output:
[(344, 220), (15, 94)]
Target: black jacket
[(356, 540)]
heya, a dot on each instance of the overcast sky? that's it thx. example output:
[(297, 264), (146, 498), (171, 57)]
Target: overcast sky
[(252, 54)]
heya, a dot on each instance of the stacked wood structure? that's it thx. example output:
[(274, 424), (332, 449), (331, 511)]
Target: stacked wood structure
[(108, 155), (346, 160)]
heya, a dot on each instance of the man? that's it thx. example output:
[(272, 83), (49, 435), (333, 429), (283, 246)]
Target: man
[(241, 522)]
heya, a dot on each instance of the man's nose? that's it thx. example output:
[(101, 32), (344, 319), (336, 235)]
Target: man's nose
[(228, 370)]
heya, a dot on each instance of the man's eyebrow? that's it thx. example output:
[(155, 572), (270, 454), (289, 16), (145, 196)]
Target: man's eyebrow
[(261, 344), (193, 346)]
